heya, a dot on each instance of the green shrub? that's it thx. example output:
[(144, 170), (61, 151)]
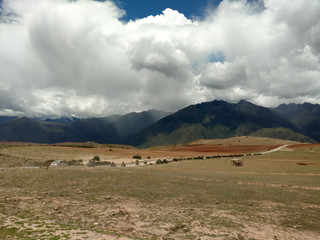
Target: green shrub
[(75, 162), (159, 161)]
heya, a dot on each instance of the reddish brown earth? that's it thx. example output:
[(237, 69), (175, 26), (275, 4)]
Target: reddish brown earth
[(304, 145), (223, 149)]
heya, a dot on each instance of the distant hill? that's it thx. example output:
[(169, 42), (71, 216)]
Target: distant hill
[(61, 119), (108, 129), (210, 120), (5, 118), (101, 130), (29, 130), (282, 133), (306, 117)]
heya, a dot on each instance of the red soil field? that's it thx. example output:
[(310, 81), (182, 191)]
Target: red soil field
[(304, 145), (225, 149)]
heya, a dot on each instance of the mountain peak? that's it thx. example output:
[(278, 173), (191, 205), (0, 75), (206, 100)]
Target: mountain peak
[(215, 119)]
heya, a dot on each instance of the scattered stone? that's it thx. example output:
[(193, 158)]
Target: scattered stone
[(95, 223), (123, 212), (217, 202), (185, 229), (56, 208), (108, 197), (39, 197), (250, 204), (79, 191)]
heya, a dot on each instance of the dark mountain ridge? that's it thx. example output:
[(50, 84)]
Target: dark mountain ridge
[(28, 130), (101, 130), (216, 119), (306, 117)]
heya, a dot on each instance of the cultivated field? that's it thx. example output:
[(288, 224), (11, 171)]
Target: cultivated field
[(199, 194)]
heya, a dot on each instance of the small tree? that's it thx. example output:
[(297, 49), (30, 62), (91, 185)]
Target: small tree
[(96, 158)]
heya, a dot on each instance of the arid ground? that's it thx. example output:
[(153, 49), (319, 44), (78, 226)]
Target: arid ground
[(198, 194)]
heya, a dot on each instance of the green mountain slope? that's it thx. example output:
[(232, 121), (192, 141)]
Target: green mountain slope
[(306, 117), (282, 133), (217, 119)]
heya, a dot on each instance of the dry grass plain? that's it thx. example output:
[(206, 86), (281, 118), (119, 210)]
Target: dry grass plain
[(273, 196)]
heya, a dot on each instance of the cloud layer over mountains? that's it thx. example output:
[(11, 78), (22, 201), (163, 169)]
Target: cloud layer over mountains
[(61, 57)]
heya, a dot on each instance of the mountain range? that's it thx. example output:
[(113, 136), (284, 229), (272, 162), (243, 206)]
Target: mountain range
[(216, 119), (306, 117), (100, 130)]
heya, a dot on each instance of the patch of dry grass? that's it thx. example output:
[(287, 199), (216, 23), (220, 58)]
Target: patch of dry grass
[(270, 197)]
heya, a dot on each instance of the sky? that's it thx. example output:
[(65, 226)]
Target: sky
[(138, 9), (88, 58)]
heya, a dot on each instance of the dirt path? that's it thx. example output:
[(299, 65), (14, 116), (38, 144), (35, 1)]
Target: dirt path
[(275, 149)]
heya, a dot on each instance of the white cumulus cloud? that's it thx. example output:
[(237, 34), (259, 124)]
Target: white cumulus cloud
[(61, 57)]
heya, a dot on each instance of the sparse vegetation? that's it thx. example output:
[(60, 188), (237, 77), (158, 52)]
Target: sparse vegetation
[(96, 158), (75, 162), (191, 198), (159, 161)]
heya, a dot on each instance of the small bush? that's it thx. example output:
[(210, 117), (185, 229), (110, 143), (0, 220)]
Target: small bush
[(136, 157), (75, 162), (47, 163), (96, 158), (159, 161), (102, 163)]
